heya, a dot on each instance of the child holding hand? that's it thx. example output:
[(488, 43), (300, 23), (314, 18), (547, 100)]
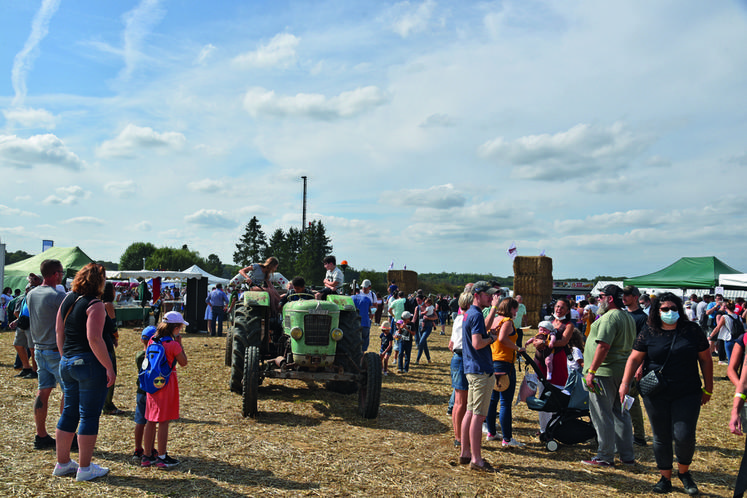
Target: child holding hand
[(162, 406)]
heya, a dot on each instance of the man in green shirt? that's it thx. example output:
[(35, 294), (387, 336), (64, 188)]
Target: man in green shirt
[(607, 349)]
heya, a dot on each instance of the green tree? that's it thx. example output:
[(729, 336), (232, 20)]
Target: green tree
[(315, 245), (109, 265), (214, 265), (132, 257), (168, 258), (251, 246), (16, 256)]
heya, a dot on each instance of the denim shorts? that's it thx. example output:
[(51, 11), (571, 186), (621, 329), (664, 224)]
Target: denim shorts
[(84, 384), (458, 379), (140, 408), (48, 363)]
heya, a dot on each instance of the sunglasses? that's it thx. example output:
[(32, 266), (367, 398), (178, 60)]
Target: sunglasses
[(667, 308)]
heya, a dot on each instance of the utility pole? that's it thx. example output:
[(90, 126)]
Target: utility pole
[(303, 216)]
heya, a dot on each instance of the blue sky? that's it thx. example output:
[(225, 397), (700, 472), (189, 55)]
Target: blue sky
[(433, 133)]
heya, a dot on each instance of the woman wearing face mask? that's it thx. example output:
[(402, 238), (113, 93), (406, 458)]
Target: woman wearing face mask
[(674, 411)]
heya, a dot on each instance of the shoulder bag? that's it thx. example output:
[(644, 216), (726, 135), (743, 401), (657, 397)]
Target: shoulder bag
[(653, 382)]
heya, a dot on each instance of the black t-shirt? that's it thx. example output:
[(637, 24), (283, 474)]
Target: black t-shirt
[(681, 371), (640, 317), (454, 305), (76, 338)]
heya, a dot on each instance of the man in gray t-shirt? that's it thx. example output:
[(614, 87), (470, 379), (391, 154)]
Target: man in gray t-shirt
[(44, 302)]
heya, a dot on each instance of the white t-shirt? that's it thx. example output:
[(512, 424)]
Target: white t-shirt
[(456, 332), (576, 356)]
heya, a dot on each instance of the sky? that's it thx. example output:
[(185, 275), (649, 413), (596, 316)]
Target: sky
[(610, 135)]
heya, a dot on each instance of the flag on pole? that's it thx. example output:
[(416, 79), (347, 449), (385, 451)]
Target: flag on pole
[(512, 251), (391, 265), (542, 253), (405, 268)]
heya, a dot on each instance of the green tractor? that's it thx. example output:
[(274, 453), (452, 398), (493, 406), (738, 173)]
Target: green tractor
[(310, 340)]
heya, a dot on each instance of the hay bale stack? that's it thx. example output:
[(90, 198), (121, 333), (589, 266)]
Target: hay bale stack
[(533, 280), (406, 280)]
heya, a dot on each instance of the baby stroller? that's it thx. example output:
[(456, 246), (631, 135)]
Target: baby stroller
[(569, 406)]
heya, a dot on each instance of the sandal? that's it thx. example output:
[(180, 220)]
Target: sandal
[(485, 467)]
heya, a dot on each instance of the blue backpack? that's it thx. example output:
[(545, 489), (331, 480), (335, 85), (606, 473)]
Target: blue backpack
[(156, 369)]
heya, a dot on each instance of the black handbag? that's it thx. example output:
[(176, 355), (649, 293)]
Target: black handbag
[(653, 382)]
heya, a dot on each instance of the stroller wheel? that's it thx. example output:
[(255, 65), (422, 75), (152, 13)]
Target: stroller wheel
[(552, 445)]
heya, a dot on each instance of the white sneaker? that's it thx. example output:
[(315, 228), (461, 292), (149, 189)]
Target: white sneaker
[(485, 428), (63, 469), (93, 472), (513, 442), (494, 437)]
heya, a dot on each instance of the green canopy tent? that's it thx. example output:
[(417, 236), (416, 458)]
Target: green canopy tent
[(72, 259), (685, 273)]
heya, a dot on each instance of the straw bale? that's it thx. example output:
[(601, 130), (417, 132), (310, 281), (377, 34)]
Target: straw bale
[(533, 281), (532, 265), (406, 280)]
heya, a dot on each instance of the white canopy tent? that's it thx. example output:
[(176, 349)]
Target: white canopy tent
[(733, 279), (212, 279)]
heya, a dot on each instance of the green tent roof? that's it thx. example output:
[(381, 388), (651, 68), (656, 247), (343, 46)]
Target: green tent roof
[(685, 273), (72, 259)]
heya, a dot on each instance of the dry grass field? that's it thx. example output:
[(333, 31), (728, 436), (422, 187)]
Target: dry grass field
[(310, 442)]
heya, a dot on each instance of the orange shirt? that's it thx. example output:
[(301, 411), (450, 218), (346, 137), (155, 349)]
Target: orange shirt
[(500, 351)]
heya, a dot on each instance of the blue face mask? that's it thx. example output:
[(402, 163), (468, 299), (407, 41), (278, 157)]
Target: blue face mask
[(670, 317)]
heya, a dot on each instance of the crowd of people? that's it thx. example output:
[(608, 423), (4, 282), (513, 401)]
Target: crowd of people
[(631, 351)]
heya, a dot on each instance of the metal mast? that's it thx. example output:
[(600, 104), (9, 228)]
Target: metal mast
[(303, 216)]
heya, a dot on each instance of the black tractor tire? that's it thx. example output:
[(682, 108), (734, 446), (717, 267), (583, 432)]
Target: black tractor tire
[(350, 348), (369, 391), (247, 332), (349, 352), (229, 347), (251, 382)]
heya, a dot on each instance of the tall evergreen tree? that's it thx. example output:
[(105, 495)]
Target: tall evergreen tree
[(314, 246), (251, 246)]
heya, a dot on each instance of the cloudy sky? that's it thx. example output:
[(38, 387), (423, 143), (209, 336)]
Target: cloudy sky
[(434, 133)]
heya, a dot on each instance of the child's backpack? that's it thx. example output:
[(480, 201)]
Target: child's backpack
[(156, 369)]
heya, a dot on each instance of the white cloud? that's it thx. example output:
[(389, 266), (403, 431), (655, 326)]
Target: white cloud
[(84, 220), (637, 218), (206, 185), (122, 189), (9, 211), (24, 59), (39, 149), (22, 198), (211, 218), (67, 196), (437, 197), (259, 101), (133, 138), (139, 22), (406, 18), (144, 226), (582, 149), (206, 51), (438, 121), (30, 118), (280, 51)]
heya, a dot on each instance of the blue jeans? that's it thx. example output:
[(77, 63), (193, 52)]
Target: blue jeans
[(217, 316), (729, 346), (366, 337), (404, 356), (84, 385), (506, 398), (423, 341)]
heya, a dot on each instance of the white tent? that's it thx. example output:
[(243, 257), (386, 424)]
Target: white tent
[(212, 279), (733, 279)]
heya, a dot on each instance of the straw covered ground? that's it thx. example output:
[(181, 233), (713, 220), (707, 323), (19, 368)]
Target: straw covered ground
[(310, 442)]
